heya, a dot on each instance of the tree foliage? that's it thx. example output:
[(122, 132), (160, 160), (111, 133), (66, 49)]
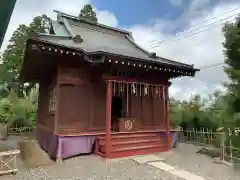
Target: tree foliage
[(201, 112), (12, 57), (17, 101), (232, 59), (232, 54), (16, 111), (88, 13)]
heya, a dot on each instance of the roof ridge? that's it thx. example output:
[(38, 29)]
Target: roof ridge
[(90, 22), (53, 35)]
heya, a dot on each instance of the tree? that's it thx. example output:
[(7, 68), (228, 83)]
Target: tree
[(175, 112), (199, 112), (88, 13), (16, 111), (13, 56), (232, 54), (232, 59)]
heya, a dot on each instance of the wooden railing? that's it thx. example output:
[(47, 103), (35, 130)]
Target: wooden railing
[(20, 130), (8, 162), (202, 136)]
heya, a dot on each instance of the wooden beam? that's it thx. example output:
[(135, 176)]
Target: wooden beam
[(150, 129), (168, 119), (133, 80), (108, 117)]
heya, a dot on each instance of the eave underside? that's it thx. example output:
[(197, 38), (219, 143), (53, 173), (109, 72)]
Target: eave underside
[(41, 58)]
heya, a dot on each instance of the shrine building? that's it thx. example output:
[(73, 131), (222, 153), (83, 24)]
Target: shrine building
[(99, 91)]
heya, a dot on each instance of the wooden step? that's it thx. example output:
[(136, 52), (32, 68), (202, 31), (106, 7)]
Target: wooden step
[(126, 147), (134, 152), (130, 141), (120, 136), (136, 147)]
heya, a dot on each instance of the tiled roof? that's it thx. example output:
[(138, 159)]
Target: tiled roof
[(99, 38)]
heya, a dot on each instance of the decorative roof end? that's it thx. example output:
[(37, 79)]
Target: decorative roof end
[(153, 55), (33, 34), (59, 17), (77, 39)]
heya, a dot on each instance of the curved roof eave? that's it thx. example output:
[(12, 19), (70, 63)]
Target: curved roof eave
[(102, 52)]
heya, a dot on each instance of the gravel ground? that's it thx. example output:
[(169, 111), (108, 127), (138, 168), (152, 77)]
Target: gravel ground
[(185, 157), (93, 168), (10, 143)]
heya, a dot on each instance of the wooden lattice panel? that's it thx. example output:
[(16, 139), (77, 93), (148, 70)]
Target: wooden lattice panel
[(8, 162)]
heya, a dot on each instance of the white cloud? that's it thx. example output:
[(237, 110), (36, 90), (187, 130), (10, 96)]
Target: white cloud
[(201, 49), (25, 10), (107, 18)]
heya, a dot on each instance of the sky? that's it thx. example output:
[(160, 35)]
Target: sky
[(188, 31)]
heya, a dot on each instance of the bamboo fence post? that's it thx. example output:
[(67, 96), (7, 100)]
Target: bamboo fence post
[(194, 137), (211, 137), (223, 149), (200, 134), (182, 134), (207, 136), (230, 147), (190, 134), (203, 135)]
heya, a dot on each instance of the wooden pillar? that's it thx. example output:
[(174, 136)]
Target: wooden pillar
[(169, 139), (127, 103), (108, 117), (57, 110), (57, 113)]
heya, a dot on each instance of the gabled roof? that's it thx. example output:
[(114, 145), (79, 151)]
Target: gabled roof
[(98, 38)]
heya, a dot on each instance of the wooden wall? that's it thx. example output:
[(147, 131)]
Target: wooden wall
[(150, 112), (45, 119), (82, 99)]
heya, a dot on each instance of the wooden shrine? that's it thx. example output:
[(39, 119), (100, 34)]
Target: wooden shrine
[(99, 91)]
